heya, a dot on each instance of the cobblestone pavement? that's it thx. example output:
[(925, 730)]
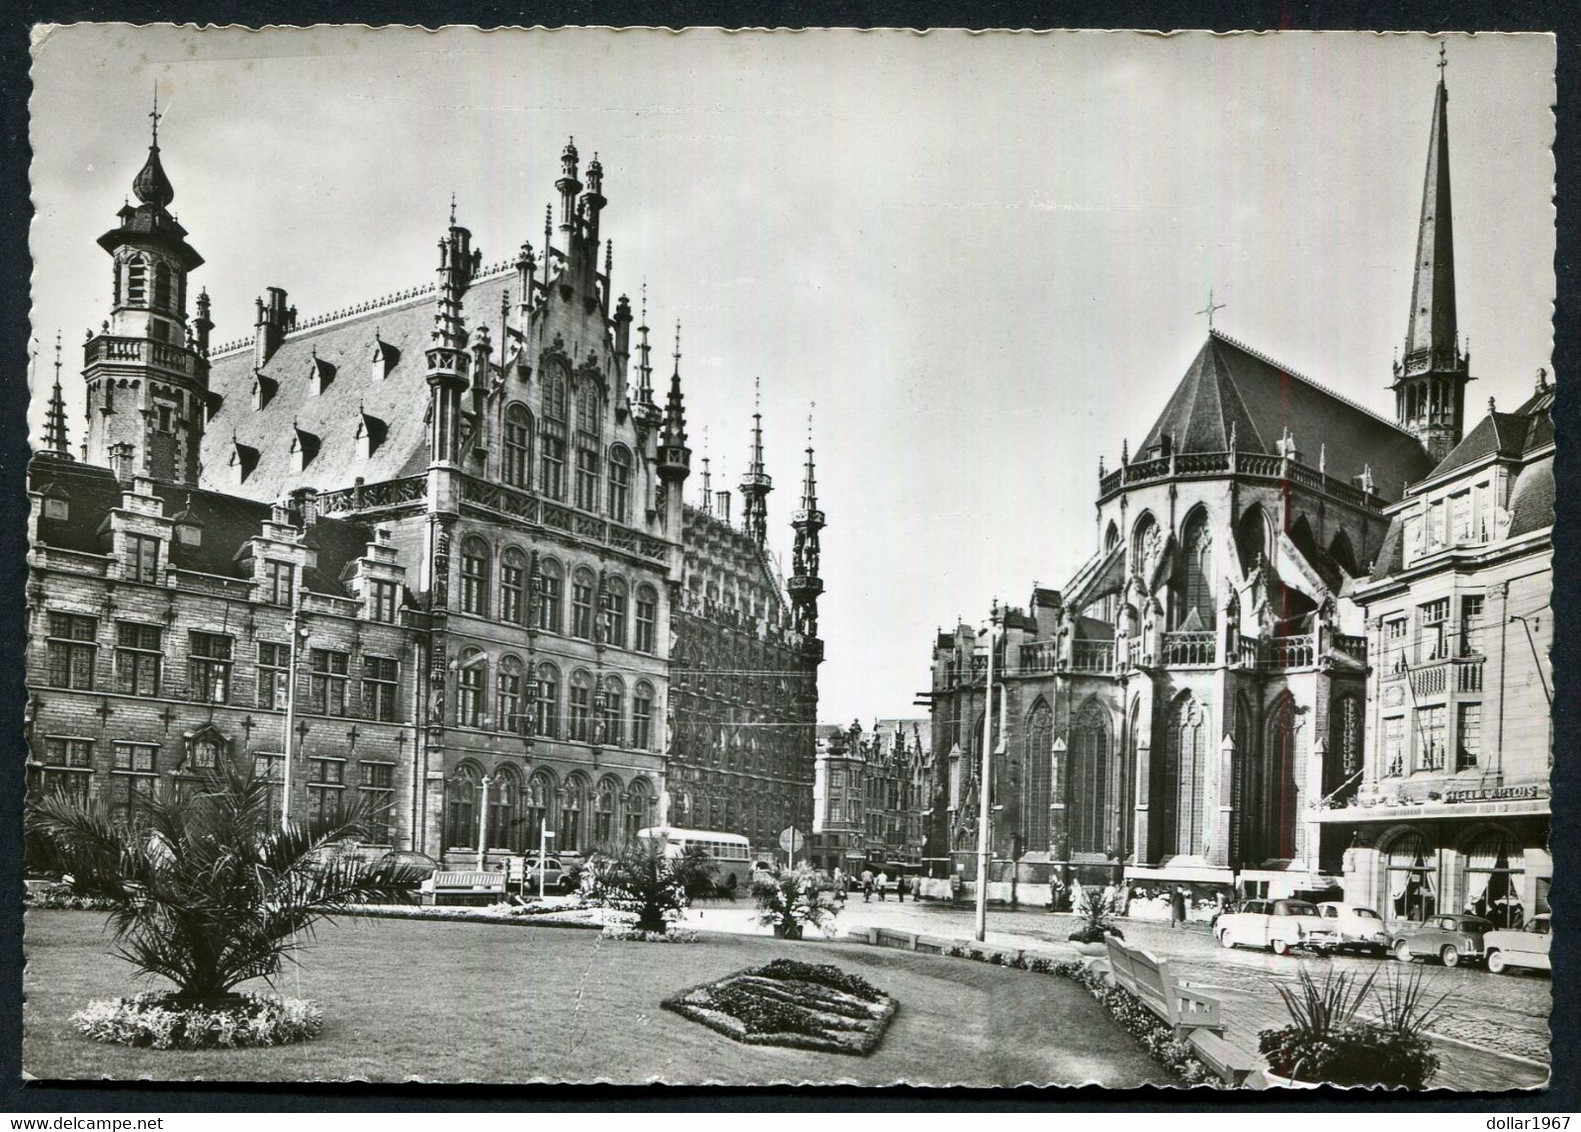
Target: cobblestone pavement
[(1502, 1015)]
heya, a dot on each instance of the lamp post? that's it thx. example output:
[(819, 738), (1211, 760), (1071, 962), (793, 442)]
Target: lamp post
[(483, 823), (298, 635), (985, 784), (544, 834)]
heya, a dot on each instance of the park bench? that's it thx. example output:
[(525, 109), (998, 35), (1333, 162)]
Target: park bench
[(1194, 1015), (475, 887)]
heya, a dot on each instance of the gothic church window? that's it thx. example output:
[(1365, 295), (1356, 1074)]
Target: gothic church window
[(1089, 780), (1197, 590), (1036, 792), (1283, 791)]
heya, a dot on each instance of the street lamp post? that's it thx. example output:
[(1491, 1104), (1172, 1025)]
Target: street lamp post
[(298, 634), (544, 835), (985, 784), (483, 824)]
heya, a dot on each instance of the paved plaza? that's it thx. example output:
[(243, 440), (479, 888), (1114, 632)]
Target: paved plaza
[(1493, 1033)]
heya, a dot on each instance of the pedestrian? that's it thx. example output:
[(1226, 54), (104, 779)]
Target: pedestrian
[(839, 884), (867, 886), (882, 883), (1177, 907), (900, 888)]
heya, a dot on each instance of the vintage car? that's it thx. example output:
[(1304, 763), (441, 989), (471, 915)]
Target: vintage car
[(1358, 927), (1279, 924), (557, 877), (1450, 939), (1519, 947)]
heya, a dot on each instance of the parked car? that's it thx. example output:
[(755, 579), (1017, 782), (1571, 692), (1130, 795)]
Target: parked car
[(1452, 940), (1279, 924), (1519, 947), (1358, 927), (556, 876)]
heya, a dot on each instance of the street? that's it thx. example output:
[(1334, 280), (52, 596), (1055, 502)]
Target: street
[(1501, 1015)]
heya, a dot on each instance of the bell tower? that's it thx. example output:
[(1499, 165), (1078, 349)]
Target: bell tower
[(1430, 379), (147, 373)]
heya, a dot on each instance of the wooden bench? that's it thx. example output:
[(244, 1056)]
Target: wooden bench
[(1193, 1014), (474, 888)]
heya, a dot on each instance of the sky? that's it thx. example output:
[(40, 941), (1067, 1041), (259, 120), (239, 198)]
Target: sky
[(979, 256)]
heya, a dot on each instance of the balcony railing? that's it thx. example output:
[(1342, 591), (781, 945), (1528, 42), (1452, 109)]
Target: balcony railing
[(1453, 675), (1092, 656), (1352, 646), (106, 348), (1190, 649), (1291, 652), (364, 497), (1040, 656)]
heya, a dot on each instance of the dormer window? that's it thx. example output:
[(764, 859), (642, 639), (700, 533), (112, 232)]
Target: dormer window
[(264, 389), (371, 432), (304, 447), (384, 358), (323, 374), (57, 503), (244, 459)]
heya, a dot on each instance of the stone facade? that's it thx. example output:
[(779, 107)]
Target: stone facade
[(461, 512)]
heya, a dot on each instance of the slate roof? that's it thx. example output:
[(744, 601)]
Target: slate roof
[(1527, 429), (1230, 386), (228, 521), (399, 401), (1532, 501)]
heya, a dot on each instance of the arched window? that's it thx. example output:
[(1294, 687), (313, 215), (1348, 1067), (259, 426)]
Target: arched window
[(573, 801), (642, 717), (536, 807), (136, 282), (516, 458), (471, 683), (681, 808), (1147, 544), (513, 586), (587, 446), (639, 808), (1111, 537), (1413, 878), (546, 719), (620, 484), (587, 407), (1282, 777), (1178, 790), (1196, 584), (1344, 555), (550, 613), (647, 619), (611, 712), (583, 587), (581, 707), (475, 577), (552, 436), (1089, 780), (615, 611), (605, 799), (1037, 784), (162, 287), (1251, 538), (505, 798), (461, 808), (510, 710), (1495, 870)]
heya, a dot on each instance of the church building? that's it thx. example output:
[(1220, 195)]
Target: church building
[(432, 548), (1193, 706)]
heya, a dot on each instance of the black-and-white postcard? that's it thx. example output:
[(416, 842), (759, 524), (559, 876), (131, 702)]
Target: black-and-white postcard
[(827, 557)]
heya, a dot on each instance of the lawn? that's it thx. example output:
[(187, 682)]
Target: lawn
[(408, 1000)]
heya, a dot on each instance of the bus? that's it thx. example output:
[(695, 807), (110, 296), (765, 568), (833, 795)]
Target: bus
[(730, 851)]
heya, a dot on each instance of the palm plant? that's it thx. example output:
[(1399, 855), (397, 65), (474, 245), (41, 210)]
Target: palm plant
[(207, 890), (790, 899), (641, 878)]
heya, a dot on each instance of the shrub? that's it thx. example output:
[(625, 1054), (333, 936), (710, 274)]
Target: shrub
[(205, 888), (642, 879), (790, 899), (1326, 1041), (163, 1022), (1097, 909)]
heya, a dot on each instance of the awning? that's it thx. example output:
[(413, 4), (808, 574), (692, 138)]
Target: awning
[(1433, 811)]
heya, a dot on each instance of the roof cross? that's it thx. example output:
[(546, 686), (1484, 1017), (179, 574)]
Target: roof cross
[(1443, 60), (154, 113), (1210, 308)]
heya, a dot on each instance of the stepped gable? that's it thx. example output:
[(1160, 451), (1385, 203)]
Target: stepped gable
[(228, 522), (399, 399), (1228, 385)]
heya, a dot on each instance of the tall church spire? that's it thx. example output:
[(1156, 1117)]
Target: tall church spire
[(1430, 379), (1432, 329), (756, 484)]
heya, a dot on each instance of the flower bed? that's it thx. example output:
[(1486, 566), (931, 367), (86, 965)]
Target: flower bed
[(568, 915), (62, 896), (156, 1019), (633, 934), (789, 1003)]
